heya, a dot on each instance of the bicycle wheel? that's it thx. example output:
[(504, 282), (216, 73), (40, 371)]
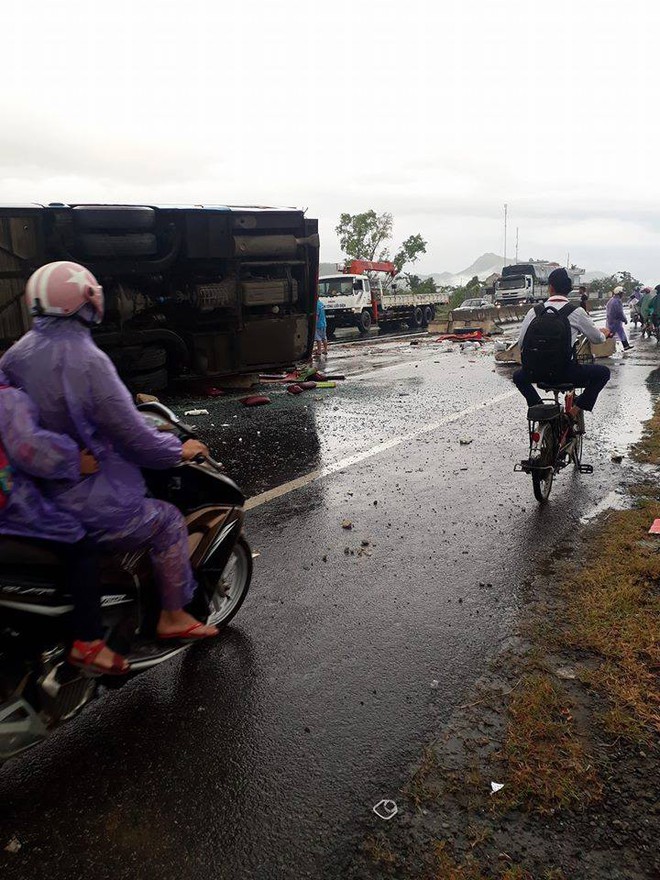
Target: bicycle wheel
[(543, 476)]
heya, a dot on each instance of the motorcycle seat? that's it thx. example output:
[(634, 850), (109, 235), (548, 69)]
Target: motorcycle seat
[(25, 551)]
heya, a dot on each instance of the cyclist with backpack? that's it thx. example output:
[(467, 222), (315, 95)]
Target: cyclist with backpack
[(547, 344)]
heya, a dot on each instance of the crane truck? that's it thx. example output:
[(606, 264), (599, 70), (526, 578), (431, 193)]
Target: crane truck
[(357, 297)]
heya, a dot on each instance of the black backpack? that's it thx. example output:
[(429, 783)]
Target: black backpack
[(546, 348)]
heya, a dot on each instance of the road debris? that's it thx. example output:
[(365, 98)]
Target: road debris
[(14, 845), (346, 524), (465, 441), (196, 412), (435, 684), (496, 786), (255, 400), (386, 809), (617, 457), (568, 673), (294, 389), (655, 528)]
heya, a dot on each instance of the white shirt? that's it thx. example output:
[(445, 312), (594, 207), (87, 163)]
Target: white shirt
[(579, 320)]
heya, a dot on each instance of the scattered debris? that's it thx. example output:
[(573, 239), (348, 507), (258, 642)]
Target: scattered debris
[(326, 384), (294, 389), (568, 673), (617, 457), (14, 845), (655, 528), (196, 412), (255, 400), (465, 441), (435, 684), (256, 554), (308, 386), (386, 809), (496, 786), (346, 524)]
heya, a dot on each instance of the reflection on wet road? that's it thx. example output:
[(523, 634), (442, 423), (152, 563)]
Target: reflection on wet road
[(262, 756)]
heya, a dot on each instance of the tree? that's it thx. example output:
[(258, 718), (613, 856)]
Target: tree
[(424, 287), (366, 236), (602, 287)]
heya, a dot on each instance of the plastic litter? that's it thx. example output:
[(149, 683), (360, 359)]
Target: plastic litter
[(386, 809), (255, 400), (14, 845), (655, 528), (196, 412), (496, 786), (326, 384)]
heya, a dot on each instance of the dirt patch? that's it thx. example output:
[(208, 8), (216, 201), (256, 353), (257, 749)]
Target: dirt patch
[(550, 771)]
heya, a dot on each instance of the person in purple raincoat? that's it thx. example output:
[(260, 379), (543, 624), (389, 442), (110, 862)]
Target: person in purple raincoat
[(616, 317), (30, 454), (77, 392)]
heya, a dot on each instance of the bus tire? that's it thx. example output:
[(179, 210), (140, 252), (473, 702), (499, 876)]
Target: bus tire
[(148, 383), (101, 244), (138, 358), (107, 218)]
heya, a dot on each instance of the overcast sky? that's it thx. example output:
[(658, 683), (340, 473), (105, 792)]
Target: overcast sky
[(436, 110)]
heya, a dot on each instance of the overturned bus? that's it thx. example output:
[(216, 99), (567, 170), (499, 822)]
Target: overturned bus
[(198, 292)]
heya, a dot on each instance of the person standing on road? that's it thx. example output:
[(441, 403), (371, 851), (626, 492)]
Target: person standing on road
[(591, 377), (584, 298), (616, 317), (321, 336)]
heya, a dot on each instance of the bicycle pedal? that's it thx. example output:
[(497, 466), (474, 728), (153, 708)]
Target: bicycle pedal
[(586, 469)]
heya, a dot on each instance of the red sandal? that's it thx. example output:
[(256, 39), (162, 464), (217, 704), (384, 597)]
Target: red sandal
[(188, 635), (88, 656)]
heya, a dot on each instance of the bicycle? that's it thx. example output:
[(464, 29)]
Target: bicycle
[(554, 442)]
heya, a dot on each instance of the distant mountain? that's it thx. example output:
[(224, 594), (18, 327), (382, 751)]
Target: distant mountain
[(593, 276), (482, 267)]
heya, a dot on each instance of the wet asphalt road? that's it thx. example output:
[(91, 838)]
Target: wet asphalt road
[(262, 756)]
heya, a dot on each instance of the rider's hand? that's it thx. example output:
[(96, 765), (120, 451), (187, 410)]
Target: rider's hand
[(88, 464), (192, 448)]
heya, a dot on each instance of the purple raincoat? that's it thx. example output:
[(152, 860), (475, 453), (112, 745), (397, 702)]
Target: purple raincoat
[(77, 392), (616, 318), (35, 453)]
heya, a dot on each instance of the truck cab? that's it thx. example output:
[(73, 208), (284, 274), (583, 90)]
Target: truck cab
[(348, 300)]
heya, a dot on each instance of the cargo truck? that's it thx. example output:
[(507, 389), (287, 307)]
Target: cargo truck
[(528, 282), (357, 297), (195, 292)]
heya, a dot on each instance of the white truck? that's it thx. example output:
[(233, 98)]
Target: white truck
[(353, 298), (528, 282)]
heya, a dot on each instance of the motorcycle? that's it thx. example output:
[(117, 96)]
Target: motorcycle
[(39, 689)]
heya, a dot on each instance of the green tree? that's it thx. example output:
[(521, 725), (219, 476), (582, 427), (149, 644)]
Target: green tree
[(367, 236), (603, 287), (423, 287)]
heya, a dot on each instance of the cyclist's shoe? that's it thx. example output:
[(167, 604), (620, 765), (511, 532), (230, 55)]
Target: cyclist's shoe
[(627, 346)]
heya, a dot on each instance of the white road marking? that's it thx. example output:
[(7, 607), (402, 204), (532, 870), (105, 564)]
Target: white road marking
[(356, 458)]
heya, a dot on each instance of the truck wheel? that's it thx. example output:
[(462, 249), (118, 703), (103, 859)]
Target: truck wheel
[(417, 319), (133, 218), (364, 322), (138, 359), (428, 315), (101, 244), (148, 383)]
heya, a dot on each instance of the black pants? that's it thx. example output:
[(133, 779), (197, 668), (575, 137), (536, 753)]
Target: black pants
[(81, 561), (592, 377)]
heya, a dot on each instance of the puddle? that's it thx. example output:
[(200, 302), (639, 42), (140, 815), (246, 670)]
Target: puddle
[(614, 500)]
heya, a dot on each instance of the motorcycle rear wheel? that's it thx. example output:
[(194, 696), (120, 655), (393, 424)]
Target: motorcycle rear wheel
[(542, 477), (230, 588)]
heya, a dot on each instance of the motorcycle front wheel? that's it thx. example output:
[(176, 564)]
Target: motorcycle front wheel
[(229, 588)]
